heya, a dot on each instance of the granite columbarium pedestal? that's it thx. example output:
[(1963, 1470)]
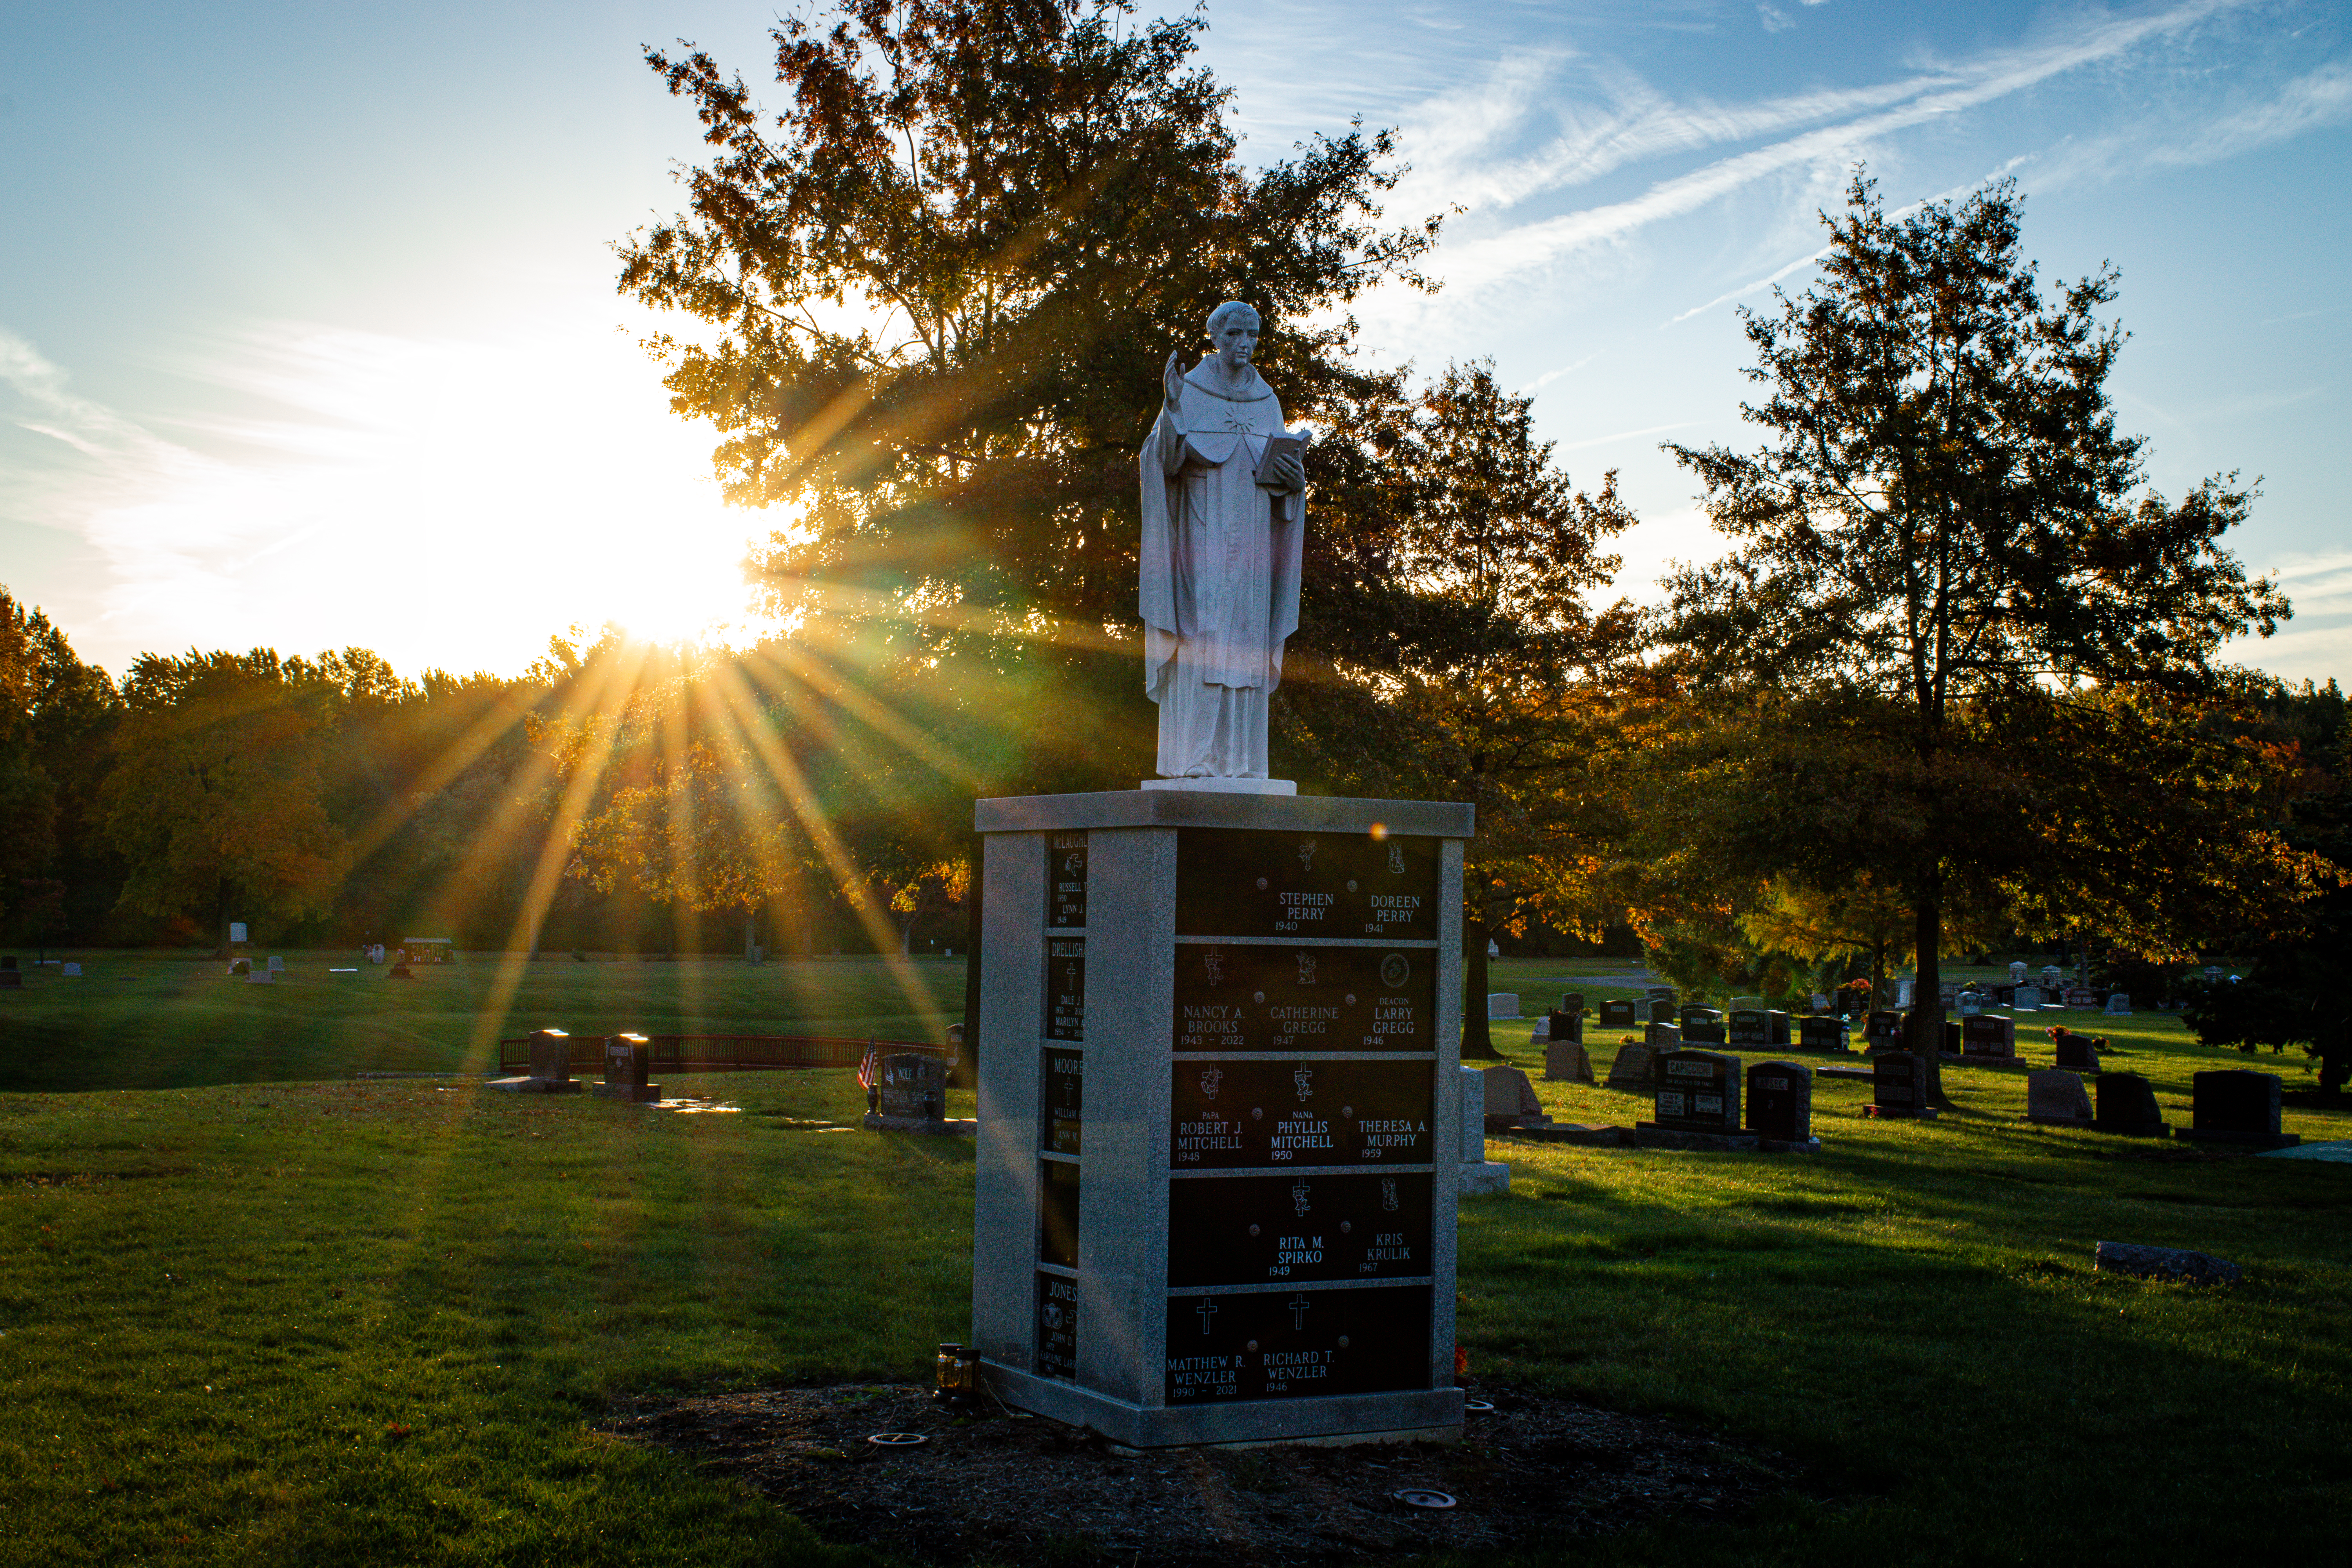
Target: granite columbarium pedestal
[(1222, 1123)]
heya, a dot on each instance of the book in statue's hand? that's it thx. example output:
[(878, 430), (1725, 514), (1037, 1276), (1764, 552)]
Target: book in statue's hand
[(1276, 448)]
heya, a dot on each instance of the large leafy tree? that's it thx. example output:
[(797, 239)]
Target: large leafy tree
[(217, 800), (932, 291), (57, 714), (1460, 660), (1944, 534)]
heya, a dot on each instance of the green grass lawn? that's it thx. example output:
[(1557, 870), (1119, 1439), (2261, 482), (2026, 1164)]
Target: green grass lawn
[(340, 1322), (143, 1020)]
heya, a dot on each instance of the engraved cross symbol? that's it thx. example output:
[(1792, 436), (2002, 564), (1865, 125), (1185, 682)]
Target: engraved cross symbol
[(1213, 962), (1297, 1305), (1298, 1198), (1207, 1310), (1303, 1081)]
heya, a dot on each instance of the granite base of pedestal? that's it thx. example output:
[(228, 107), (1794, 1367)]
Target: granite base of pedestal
[(533, 1085), (2244, 1140), (1429, 1415), (1901, 1112), (649, 1095), (1493, 1177), (950, 1127), (1650, 1135), (1593, 1134), (1226, 786)]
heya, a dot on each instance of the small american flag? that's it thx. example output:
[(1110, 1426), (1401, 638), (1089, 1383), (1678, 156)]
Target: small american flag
[(870, 1069)]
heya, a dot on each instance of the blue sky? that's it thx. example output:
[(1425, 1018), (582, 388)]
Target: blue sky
[(308, 336)]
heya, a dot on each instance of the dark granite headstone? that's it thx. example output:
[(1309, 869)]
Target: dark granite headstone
[(1633, 1067), (1564, 1026), (1898, 1087), (1699, 1091), (550, 1057), (1884, 1031), (1780, 1101), (1702, 1026), (2056, 1099), (2081, 999), (1987, 1038), (628, 1062), (2236, 1105), (2127, 1106), (1661, 1009), (1661, 1036), (1766, 1027), (1571, 1002), (911, 1089), (1565, 1061), (1822, 1034), (1616, 1014), (2076, 1053)]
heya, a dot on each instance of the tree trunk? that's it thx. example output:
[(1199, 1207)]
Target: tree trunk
[(967, 1071), (1478, 1039), (751, 930), (1927, 1026)]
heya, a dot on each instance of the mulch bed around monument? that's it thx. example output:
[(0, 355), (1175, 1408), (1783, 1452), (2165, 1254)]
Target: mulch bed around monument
[(1015, 1488)]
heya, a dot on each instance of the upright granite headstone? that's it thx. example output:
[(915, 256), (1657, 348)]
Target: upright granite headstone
[(2076, 1052), (628, 1062), (2080, 999), (1823, 1034), (1479, 1175), (1510, 1100), (1661, 1036), (1989, 1040), (1618, 1013), (2237, 1106), (1502, 1003), (1698, 1093), (1660, 1009), (1761, 1026), (1898, 1087), (1633, 1068), (910, 1094), (2026, 999), (1702, 1026), (1883, 1031), (1780, 1106), (2055, 1098), (1561, 1025), (551, 1062), (2119, 1004), (2127, 1106), (1566, 1061)]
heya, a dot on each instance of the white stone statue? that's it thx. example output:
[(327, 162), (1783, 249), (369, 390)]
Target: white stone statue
[(1222, 526)]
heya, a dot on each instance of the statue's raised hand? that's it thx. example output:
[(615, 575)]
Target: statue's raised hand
[(1172, 386)]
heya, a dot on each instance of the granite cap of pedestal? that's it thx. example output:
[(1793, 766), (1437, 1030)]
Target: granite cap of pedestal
[(1189, 808)]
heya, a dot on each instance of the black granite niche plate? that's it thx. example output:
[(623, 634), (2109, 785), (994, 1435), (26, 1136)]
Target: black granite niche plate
[(1062, 1083), (1255, 1230), (1232, 998), (1229, 1115), (1057, 1326), (1065, 988), (1245, 883), (1066, 880), (1284, 1344), (1057, 1212)]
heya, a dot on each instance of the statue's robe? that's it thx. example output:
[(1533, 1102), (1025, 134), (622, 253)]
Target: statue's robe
[(1220, 578)]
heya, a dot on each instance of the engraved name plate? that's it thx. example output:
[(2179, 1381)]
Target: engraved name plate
[(1240, 882), (1065, 988), (1284, 1344), (1232, 998), (1061, 1076), (1066, 880), (1250, 1230), (1228, 1115), (1057, 1327)]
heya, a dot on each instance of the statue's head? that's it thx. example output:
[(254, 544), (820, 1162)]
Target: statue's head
[(1232, 333)]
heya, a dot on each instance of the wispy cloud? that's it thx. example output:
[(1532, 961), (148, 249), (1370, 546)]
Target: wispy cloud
[(2311, 103), (1843, 123)]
